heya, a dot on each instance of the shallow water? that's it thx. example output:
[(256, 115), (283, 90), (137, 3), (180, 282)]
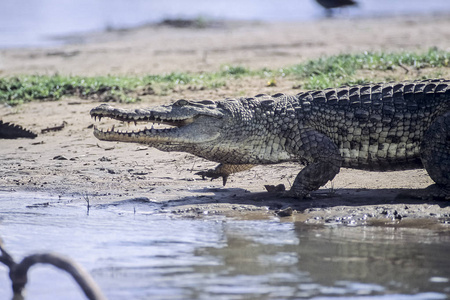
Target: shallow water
[(135, 253), (25, 23)]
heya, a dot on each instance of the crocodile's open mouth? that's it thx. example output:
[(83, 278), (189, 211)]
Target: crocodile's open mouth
[(159, 124), (150, 126), (140, 124), (135, 126)]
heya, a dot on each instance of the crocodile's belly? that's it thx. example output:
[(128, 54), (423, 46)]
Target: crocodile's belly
[(381, 156), (257, 152)]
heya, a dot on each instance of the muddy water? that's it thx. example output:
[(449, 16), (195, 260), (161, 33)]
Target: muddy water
[(134, 252)]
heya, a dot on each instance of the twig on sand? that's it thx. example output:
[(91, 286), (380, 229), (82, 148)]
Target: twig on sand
[(18, 272), (106, 148), (54, 128), (403, 67), (88, 204)]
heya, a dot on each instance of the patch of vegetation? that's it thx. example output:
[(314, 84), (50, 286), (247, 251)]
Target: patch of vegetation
[(341, 69), (20, 89), (314, 74)]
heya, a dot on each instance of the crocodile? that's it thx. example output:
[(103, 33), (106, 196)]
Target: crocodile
[(12, 131), (375, 127)]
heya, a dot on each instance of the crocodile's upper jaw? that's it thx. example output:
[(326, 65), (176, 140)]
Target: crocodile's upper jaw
[(190, 124)]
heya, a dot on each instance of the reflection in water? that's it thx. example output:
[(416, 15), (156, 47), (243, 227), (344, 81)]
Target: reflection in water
[(398, 259), (258, 260), (307, 261), (144, 255)]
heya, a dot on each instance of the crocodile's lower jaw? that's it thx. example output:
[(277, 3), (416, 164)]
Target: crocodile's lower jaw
[(141, 136)]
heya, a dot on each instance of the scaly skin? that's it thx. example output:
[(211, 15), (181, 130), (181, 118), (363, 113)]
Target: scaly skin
[(377, 127)]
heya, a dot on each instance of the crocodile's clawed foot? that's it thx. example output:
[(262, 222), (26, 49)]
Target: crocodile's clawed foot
[(433, 192), (275, 188), (437, 192), (281, 192), (291, 194), (211, 173)]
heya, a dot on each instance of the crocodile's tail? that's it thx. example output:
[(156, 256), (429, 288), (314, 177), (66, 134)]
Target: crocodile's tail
[(12, 131)]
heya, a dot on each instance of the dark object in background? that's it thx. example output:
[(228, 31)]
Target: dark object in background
[(12, 131), (192, 23), (330, 4)]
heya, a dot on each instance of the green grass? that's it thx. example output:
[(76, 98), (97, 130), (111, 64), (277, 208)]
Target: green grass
[(314, 74), (19, 89), (341, 69)]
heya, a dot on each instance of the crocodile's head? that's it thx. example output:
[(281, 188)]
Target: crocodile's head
[(184, 123)]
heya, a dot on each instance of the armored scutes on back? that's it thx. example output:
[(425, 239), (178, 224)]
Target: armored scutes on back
[(12, 131), (377, 127)]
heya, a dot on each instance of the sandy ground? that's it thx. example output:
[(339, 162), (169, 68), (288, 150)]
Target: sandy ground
[(72, 162)]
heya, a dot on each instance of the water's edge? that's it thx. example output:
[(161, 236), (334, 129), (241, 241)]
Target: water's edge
[(134, 252)]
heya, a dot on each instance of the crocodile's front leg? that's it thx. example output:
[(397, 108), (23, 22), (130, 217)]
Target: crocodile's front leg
[(323, 162), (224, 170)]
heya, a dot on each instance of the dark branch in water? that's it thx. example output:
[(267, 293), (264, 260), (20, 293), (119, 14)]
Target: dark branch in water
[(18, 272)]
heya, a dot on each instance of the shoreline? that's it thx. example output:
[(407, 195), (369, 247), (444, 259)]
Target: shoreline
[(114, 172)]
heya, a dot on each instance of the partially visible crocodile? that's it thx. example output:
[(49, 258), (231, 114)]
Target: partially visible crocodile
[(12, 131), (377, 127)]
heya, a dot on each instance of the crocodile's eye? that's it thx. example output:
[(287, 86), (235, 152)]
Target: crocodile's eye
[(181, 102), (207, 102)]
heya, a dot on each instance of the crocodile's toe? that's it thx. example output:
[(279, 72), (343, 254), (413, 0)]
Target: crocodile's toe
[(432, 192), (213, 174)]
